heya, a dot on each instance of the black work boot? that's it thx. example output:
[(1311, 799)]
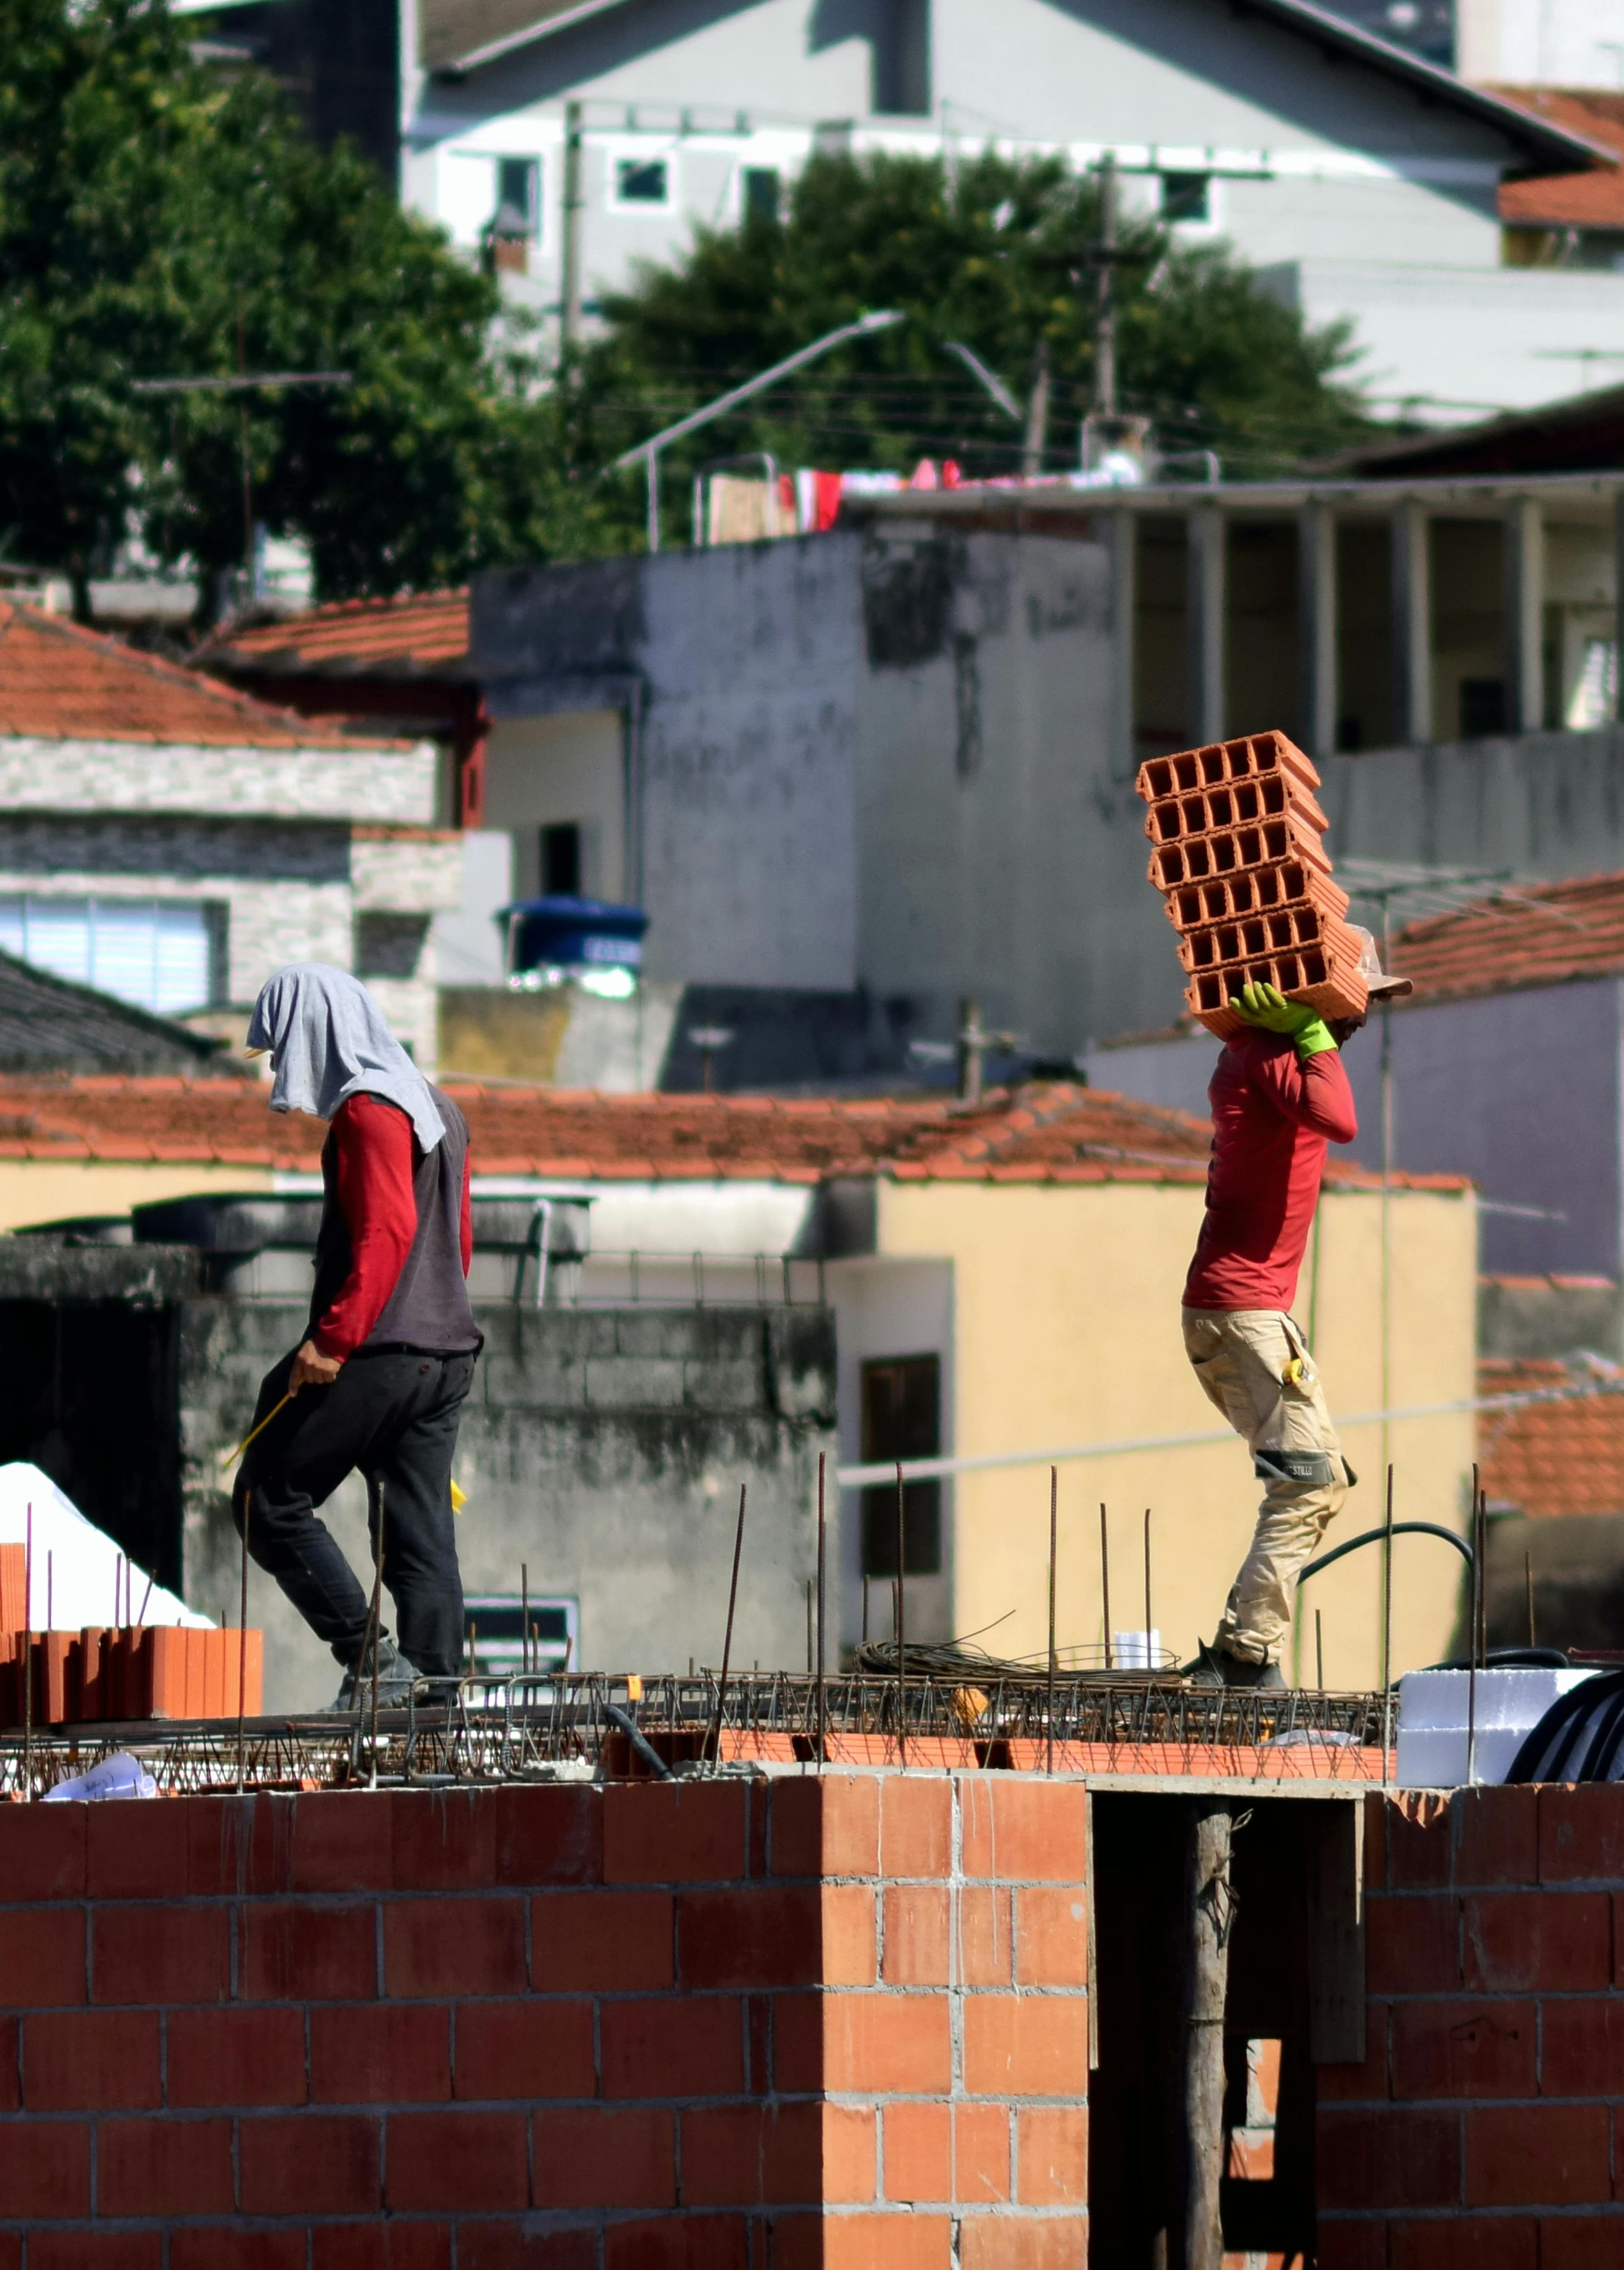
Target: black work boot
[(397, 1675), (1215, 1666)]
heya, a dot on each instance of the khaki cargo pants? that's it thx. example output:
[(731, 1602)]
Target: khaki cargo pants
[(1255, 1366)]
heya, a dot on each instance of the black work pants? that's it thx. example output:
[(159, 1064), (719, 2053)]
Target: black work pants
[(394, 1416)]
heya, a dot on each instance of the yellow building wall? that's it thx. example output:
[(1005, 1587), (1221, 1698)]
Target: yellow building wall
[(1066, 1306), (47, 1189)]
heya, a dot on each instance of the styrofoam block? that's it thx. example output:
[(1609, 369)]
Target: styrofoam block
[(1513, 1697), (1435, 1758)]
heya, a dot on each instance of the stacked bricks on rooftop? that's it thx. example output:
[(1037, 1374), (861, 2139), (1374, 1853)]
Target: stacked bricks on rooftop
[(1245, 879), (118, 1672), (1485, 2125), (834, 2020)]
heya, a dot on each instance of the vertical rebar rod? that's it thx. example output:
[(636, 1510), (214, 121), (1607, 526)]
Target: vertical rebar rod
[(1528, 1584), (1471, 1649), (809, 1628), (1054, 1554), (524, 1617), (727, 1637), (377, 1622), (1105, 1582), (1387, 1631), (242, 1638), (1149, 1626), (901, 1626), (822, 1542), (1319, 1652)]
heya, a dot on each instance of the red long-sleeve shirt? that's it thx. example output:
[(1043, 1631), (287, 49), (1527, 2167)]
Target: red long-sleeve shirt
[(373, 1149), (1272, 1117)]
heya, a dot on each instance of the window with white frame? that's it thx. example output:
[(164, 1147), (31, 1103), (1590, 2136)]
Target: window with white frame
[(518, 198), (639, 185), (152, 953)]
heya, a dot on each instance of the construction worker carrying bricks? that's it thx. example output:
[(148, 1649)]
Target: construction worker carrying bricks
[(1278, 1095), (379, 1381)]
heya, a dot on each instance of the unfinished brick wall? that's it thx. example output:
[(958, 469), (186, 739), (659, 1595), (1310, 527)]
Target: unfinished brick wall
[(839, 2020), (1485, 2125)]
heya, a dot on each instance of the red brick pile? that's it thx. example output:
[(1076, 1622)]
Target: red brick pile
[(134, 1670), (1246, 880)]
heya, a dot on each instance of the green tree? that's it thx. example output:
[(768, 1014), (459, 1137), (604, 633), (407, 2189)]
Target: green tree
[(988, 252), (155, 223)]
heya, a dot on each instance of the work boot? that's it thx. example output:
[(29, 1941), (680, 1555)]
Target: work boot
[(1215, 1666), (397, 1675)]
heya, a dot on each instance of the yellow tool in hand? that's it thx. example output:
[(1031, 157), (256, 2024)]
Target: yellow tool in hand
[(459, 1498), (227, 1457)]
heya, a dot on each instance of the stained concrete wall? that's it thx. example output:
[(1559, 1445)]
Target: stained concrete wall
[(604, 1448)]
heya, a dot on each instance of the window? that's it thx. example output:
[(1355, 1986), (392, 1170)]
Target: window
[(389, 945), (151, 954), (759, 193), (1187, 197), (560, 861), (902, 1419), (642, 182), (518, 198)]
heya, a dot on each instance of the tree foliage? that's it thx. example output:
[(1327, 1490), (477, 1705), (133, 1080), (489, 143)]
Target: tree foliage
[(156, 223), (988, 251)]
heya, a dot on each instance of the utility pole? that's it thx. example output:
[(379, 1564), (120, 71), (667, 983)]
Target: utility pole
[(570, 296), (1037, 415), (1105, 304)]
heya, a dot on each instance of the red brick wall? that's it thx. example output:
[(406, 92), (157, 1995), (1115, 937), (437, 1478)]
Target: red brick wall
[(1486, 2126), (840, 2022)]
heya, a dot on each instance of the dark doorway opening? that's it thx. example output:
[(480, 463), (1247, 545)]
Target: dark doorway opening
[(93, 1399), (902, 1419), (560, 861)]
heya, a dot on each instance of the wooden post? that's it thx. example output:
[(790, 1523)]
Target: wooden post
[(1209, 1905)]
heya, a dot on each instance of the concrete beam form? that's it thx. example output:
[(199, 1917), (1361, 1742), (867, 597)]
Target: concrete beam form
[(1316, 617), (1411, 624), (1207, 611), (1525, 615)]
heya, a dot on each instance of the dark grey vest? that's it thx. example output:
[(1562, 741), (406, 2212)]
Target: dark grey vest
[(428, 1308)]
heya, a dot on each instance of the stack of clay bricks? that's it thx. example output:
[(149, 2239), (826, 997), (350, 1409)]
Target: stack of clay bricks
[(1243, 874), (118, 1672)]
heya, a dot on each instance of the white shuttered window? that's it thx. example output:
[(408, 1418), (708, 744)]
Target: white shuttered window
[(149, 952)]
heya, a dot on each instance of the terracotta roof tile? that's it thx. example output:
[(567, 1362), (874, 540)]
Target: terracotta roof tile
[(1058, 1134), (58, 682), (1535, 936), (425, 635), (1588, 200), (1551, 1458)]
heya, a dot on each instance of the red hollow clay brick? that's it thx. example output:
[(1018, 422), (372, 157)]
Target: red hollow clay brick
[(1412, 1945), (1351, 2245), (918, 1944), (148, 1862), (237, 1846), (915, 1825), (607, 1942), (217, 2057), (827, 1825), (45, 2169), (1582, 1834), (1005, 2241), (548, 1835), (524, 2049), (1420, 1846), (690, 2047), (1537, 2155), (1051, 1935), (343, 1843), (10, 2078), (1582, 2242), (1561, 1941), (1051, 2156), (392, 2245), (1027, 2045), (796, 2043), (432, 1947), (1497, 1835), (42, 1957), (442, 1840), (674, 1832), (1464, 2049), (605, 2158), (888, 2043), (43, 1852), (91, 2061), (162, 2166), (764, 1935), (176, 1953), (310, 2164), (898, 2241), (384, 2053), (705, 2242), (919, 2152), (981, 2153), (756, 2155), (229, 2246), (1359, 2083), (1034, 1831), (89, 2250), (849, 1936), (299, 1951), (986, 1935), (476, 2161), (1390, 2156), (1581, 2045), (1500, 2242)]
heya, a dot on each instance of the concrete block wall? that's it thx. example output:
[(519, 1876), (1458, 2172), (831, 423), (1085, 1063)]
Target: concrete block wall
[(1485, 2125), (839, 2020)]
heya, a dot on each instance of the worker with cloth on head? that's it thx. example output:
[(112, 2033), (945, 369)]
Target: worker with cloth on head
[(379, 1381), (1278, 1095)]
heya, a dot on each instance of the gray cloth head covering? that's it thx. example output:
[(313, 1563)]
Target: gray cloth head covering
[(327, 1041)]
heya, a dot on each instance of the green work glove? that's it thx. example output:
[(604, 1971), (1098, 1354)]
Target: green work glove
[(1269, 1010)]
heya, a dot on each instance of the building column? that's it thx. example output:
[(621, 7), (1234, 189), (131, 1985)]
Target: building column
[(1206, 614), (1412, 625), (1524, 616), (1124, 599), (1316, 617)]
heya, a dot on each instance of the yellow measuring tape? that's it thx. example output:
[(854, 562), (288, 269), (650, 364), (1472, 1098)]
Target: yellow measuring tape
[(459, 1497)]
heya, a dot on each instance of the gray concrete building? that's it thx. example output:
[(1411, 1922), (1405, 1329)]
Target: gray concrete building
[(895, 763)]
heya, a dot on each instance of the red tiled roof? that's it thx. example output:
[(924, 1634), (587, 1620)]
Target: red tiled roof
[(1058, 1134), (1590, 200), (421, 636), (1551, 1458), (58, 682), (1515, 938)]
